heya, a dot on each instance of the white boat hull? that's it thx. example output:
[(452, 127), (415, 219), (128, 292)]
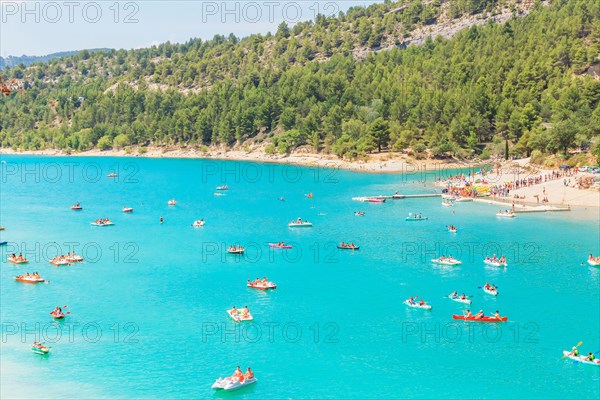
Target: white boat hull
[(417, 305), (230, 384)]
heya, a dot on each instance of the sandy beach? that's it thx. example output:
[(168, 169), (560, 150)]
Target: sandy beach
[(374, 163)]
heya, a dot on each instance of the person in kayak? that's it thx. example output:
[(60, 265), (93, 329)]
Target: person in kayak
[(497, 315), (590, 357), (454, 294), (468, 314), (463, 297), (479, 315), (411, 300), (574, 352)]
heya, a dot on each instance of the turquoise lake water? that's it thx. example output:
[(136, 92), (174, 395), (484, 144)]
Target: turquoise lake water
[(148, 305)]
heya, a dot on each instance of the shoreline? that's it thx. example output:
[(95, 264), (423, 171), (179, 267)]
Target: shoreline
[(383, 163)]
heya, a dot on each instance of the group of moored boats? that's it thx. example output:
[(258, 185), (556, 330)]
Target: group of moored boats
[(467, 316), (67, 259)]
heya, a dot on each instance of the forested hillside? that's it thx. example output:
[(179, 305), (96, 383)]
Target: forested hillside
[(347, 85)]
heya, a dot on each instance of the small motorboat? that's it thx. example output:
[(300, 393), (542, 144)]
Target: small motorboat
[(452, 230), (198, 223), (57, 314), (494, 263), (40, 349), (235, 251), (280, 246), (17, 260), (238, 316), (593, 261), (481, 319), (172, 202), (262, 286), (28, 279), (300, 224), (102, 223), (348, 247), (111, 175), (359, 213), (459, 299), (2, 228), (74, 258), (224, 187), (127, 209), (232, 383), (3, 243), (376, 200), (76, 207), (446, 261), (415, 304), (581, 359)]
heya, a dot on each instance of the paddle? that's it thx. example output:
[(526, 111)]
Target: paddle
[(578, 344)]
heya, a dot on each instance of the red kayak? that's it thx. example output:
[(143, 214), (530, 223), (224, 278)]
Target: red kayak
[(482, 319)]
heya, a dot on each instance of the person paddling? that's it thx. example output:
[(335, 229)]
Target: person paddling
[(574, 352)]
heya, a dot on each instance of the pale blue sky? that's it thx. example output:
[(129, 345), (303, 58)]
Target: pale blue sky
[(42, 27)]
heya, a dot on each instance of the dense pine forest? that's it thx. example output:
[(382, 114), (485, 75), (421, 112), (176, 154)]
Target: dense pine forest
[(350, 85)]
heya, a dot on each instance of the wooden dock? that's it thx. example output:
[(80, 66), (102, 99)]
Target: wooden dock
[(397, 196)]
